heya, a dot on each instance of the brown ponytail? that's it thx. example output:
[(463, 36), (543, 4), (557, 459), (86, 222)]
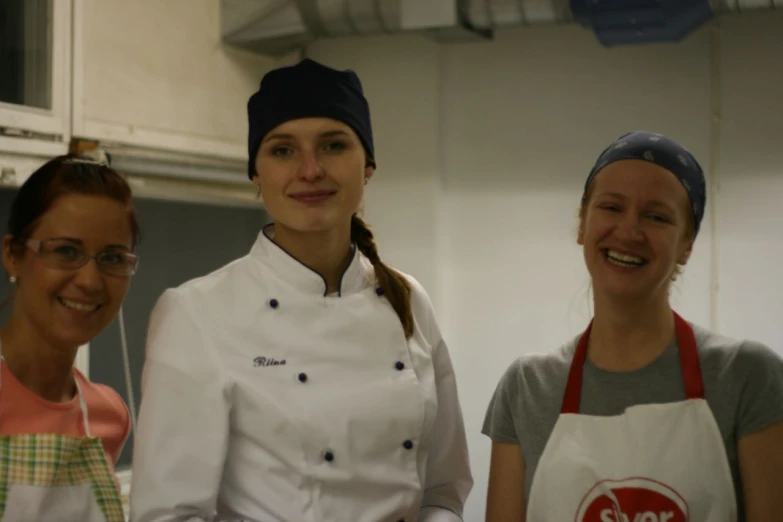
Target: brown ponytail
[(394, 285)]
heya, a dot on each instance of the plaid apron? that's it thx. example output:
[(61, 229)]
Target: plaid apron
[(45, 477)]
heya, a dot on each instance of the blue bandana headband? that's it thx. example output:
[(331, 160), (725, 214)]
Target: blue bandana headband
[(662, 151)]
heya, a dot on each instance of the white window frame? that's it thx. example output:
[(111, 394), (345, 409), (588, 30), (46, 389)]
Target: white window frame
[(18, 167), (172, 175), (217, 194), (47, 126)]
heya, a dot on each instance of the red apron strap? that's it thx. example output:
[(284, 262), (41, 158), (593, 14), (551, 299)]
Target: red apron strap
[(689, 359), (573, 391), (689, 365)]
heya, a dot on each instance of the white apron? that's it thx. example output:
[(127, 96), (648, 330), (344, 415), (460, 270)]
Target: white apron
[(56, 478), (653, 463)]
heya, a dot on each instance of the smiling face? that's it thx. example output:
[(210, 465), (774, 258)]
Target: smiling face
[(311, 173), (635, 229), (71, 307)]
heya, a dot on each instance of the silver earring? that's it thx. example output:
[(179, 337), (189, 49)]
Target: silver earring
[(366, 180), (258, 192), (12, 280)]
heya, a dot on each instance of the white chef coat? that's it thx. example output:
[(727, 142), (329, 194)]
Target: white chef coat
[(265, 400)]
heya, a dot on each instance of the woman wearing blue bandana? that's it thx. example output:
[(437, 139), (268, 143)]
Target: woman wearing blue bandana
[(307, 381), (644, 417)]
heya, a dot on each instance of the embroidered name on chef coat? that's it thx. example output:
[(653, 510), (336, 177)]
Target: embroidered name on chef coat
[(263, 361)]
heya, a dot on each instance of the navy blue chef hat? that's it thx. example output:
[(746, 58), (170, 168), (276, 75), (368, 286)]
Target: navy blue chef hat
[(663, 151), (307, 90)]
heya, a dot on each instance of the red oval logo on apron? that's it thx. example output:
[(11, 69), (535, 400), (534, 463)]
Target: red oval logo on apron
[(632, 500)]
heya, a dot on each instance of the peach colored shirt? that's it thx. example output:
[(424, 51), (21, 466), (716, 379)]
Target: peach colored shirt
[(24, 412)]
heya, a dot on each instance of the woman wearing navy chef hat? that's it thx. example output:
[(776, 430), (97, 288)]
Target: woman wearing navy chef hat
[(644, 417), (306, 381)]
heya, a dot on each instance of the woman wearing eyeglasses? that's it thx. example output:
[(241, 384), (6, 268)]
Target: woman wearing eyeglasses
[(68, 256)]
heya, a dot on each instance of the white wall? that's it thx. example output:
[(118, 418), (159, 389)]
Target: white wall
[(402, 85), (513, 130), (750, 179)]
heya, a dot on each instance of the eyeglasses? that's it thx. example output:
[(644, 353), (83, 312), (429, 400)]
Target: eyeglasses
[(63, 254)]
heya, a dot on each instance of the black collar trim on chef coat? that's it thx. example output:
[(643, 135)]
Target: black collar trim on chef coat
[(289, 268)]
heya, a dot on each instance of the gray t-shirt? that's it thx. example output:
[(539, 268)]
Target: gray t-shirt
[(743, 384)]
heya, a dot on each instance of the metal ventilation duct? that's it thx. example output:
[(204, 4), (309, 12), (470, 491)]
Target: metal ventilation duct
[(279, 26), (276, 27), (497, 14)]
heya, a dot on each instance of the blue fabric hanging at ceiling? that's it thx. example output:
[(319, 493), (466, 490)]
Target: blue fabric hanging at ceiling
[(623, 22)]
